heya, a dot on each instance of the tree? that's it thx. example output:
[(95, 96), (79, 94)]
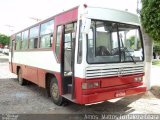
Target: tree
[(131, 40), (4, 40), (156, 47), (150, 19)]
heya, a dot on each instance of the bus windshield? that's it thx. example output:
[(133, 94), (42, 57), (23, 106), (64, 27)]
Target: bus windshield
[(110, 42)]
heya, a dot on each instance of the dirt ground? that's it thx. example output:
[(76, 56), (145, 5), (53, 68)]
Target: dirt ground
[(32, 99), (156, 91)]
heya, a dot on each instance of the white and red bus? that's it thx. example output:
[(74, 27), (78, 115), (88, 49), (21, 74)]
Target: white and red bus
[(86, 54)]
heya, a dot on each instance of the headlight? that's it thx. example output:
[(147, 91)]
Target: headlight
[(90, 85), (138, 79)]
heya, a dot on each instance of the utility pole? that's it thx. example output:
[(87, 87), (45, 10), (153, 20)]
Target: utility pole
[(138, 7)]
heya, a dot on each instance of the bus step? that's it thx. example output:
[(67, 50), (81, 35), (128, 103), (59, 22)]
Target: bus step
[(69, 88), (68, 97)]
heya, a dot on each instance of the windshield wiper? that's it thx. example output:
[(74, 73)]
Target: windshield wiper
[(125, 49)]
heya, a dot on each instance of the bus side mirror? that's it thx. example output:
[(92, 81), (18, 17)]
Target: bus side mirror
[(86, 23)]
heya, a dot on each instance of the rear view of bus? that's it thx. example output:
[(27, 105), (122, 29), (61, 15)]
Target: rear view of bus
[(112, 63)]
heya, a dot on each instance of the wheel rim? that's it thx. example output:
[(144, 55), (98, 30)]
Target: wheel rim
[(55, 92)]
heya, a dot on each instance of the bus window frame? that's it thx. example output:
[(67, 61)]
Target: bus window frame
[(20, 42), (23, 49), (51, 34), (29, 38), (117, 25)]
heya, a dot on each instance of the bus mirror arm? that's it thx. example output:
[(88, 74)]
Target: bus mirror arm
[(86, 23)]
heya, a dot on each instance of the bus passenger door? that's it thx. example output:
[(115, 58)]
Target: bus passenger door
[(68, 59)]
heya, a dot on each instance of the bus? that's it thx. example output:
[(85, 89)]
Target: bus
[(86, 55)]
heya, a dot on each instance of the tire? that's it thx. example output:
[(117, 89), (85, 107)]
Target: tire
[(21, 81), (54, 92)]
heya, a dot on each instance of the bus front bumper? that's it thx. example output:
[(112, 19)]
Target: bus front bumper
[(103, 96)]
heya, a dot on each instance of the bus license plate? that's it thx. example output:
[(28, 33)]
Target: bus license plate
[(120, 94)]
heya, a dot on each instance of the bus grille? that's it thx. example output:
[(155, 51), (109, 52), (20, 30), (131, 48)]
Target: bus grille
[(94, 72)]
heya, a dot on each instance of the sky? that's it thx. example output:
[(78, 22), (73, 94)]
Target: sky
[(16, 15)]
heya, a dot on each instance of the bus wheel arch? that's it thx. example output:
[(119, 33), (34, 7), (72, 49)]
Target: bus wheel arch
[(21, 80), (53, 89), (17, 69), (48, 78)]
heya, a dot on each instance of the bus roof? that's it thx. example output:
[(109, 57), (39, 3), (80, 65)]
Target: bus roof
[(113, 15)]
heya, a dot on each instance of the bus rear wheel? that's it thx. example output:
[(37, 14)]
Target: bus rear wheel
[(54, 92), (21, 81)]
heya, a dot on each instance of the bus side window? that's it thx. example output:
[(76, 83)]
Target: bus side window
[(24, 40), (18, 41), (58, 39), (33, 37), (46, 34)]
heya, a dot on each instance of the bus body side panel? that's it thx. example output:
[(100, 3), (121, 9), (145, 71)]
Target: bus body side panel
[(78, 89), (11, 67), (30, 73), (40, 78), (14, 67), (36, 63), (67, 17)]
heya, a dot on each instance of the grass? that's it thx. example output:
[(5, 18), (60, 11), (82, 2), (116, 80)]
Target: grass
[(156, 62)]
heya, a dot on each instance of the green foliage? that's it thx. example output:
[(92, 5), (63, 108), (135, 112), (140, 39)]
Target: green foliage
[(156, 47), (4, 40), (132, 42), (150, 18), (156, 62)]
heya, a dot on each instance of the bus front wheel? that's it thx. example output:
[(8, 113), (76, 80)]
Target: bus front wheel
[(54, 92)]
